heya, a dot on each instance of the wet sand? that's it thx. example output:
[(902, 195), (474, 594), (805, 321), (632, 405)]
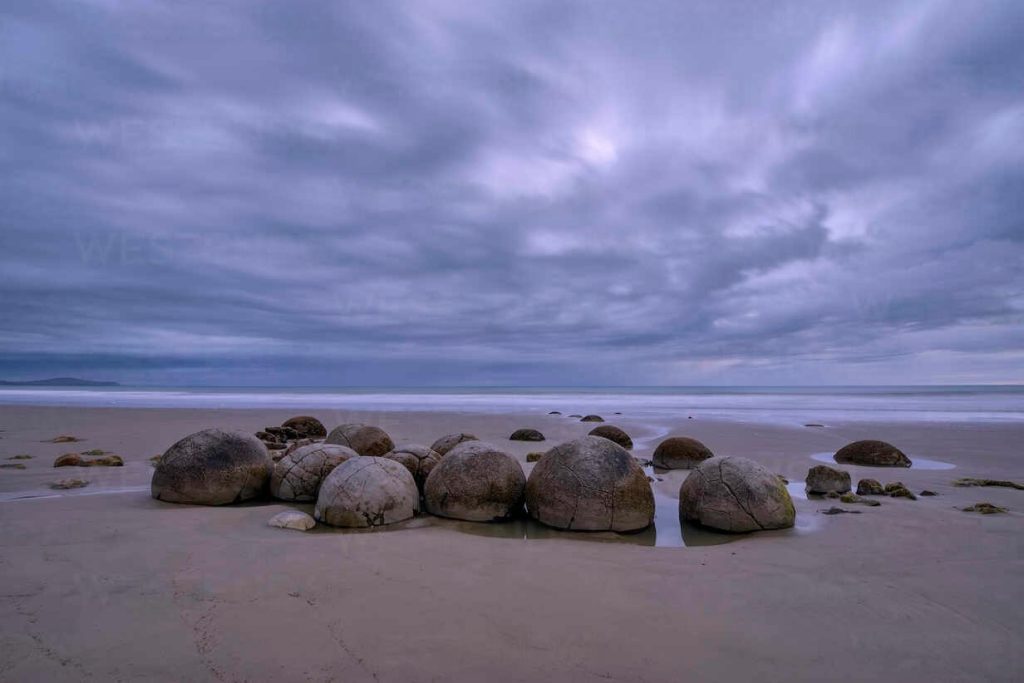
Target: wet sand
[(106, 583)]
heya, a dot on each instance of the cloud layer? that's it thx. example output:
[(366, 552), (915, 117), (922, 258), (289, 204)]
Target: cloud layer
[(512, 193)]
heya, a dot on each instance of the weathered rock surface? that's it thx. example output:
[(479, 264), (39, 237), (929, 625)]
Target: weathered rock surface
[(526, 435), (292, 519), (613, 433), (680, 453), (984, 508), (365, 492), (298, 475), (735, 494), (64, 484), (363, 439), (476, 482), (590, 484), (870, 453), (870, 487), (419, 460), (450, 441), (970, 481), (899, 490), (591, 418), (823, 479), (853, 498), (212, 467), (306, 427)]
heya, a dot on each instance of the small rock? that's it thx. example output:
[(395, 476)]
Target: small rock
[(825, 479), (575, 416), (898, 490), (526, 435), (851, 498), (20, 456), (554, 412), (64, 438), (266, 437), (591, 418), (533, 457), (12, 466), (292, 519), (69, 484), (870, 487), (969, 481), (926, 492), (984, 508), (94, 452), (839, 511), (813, 424), (835, 495)]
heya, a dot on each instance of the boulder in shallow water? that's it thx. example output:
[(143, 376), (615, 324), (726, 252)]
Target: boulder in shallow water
[(212, 467), (680, 453), (450, 441), (367, 492), (419, 460), (871, 453), (590, 484), (613, 433), (292, 519), (737, 495), (476, 482), (822, 479), (298, 475), (363, 439), (526, 435), (306, 427)]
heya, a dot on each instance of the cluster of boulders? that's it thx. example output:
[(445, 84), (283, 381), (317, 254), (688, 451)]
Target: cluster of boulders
[(294, 432)]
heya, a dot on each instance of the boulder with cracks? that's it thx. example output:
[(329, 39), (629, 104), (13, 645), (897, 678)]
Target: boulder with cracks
[(737, 495), (475, 482), (367, 492), (298, 475)]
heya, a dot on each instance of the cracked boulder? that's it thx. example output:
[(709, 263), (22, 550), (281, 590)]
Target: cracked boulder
[(306, 427), (590, 484), (367, 492), (737, 495), (450, 441), (298, 475), (212, 467), (363, 439), (475, 482), (680, 453), (419, 460), (822, 479), (613, 433), (872, 453)]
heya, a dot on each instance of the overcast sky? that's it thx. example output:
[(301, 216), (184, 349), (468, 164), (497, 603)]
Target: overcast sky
[(507, 193)]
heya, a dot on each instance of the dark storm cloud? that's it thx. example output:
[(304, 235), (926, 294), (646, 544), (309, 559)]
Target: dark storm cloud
[(547, 193)]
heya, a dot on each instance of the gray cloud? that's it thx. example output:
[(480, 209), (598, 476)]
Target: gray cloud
[(554, 193)]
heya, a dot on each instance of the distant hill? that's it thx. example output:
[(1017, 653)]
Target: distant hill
[(57, 382)]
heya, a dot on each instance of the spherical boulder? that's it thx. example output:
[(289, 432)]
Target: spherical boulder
[(298, 475), (306, 426), (526, 435), (613, 433), (680, 453), (365, 492), (363, 439), (419, 460), (737, 495), (591, 418), (872, 453), (822, 479), (590, 484), (476, 482), (450, 441), (212, 467)]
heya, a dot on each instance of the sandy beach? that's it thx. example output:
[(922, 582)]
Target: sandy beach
[(106, 583)]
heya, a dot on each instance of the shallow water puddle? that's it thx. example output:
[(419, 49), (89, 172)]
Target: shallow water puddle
[(918, 463)]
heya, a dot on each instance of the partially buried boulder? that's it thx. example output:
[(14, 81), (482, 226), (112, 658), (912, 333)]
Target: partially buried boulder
[(366, 492), (872, 453), (475, 482), (613, 433), (298, 475), (737, 495), (823, 479), (363, 439), (590, 484), (526, 435), (591, 418), (292, 519), (212, 467), (419, 460), (450, 441), (306, 426), (680, 453)]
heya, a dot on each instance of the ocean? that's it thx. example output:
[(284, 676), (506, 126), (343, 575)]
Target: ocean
[(787, 405)]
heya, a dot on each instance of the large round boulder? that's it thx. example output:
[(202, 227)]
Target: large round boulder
[(306, 427), (419, 460), (363, 439), (475, 482), (365, 492), (450, 441), (590, 484), (735, 494), (822, 479), (872, 453), (526, 434), (298, 475), (212, 467), (613, 433), (680, 453)]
